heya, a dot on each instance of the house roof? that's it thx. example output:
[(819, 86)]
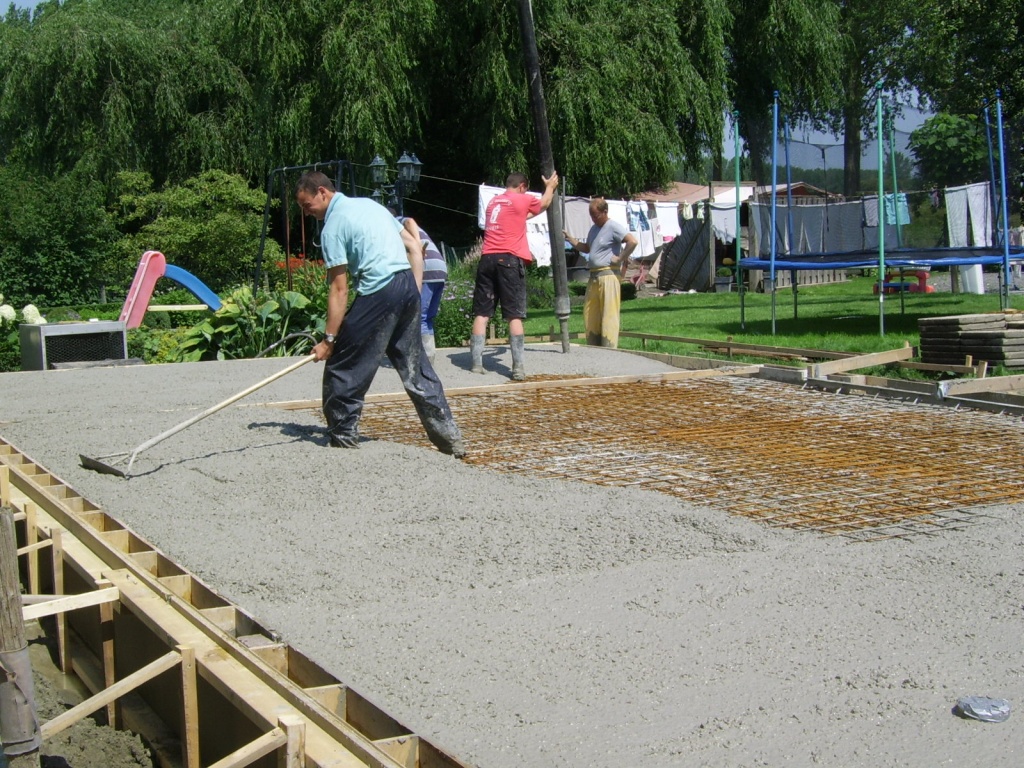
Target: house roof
[(684, 192)]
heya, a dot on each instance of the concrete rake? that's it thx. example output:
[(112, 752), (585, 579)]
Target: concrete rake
[(108, 464)]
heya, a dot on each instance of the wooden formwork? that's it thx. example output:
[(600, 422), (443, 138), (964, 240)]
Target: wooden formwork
[(167, 657)]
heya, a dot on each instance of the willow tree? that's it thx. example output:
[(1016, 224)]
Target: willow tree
[(630, 88), (120, 84), (789, 46), (329, 78)]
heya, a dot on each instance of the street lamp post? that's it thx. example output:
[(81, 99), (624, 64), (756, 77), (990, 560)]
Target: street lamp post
[(406, 182)]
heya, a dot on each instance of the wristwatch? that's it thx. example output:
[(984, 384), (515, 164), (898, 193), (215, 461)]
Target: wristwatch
[(329, 338)]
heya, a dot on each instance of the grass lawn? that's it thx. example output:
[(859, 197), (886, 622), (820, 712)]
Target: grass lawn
[(842, 317)]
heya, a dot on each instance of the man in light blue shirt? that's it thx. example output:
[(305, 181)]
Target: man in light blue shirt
[(361, 241)]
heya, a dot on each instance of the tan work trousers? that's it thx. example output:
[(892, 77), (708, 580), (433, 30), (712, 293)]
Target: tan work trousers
[(601, 310)]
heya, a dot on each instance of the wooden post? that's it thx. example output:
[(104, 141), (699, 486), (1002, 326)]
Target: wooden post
[(107, 640), (294, 753), (190, 708), (19, 728), (32, 536), (63, 641)]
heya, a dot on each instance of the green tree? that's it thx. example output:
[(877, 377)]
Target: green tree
[(875, 36), (120, 84), (950, 150), (629, 86), (208, 225), (789, 46), (55, 235)]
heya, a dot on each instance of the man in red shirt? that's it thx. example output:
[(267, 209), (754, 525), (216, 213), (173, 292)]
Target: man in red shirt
[(501, 274)]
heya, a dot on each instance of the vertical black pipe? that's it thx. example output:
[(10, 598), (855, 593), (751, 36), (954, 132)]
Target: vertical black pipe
[(547, 163)]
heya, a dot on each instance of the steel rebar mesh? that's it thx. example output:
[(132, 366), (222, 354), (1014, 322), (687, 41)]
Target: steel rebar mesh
[(789, 457)]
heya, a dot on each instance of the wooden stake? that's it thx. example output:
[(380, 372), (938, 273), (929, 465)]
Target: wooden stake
[(107, 649), (63, 641), (190, 708), (294, 753)]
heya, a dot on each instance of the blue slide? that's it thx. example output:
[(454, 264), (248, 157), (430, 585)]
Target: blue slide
[(194, 285)]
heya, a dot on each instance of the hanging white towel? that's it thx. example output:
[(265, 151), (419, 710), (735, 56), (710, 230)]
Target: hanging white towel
[(668, 216), (723, 221), (956, 216), (978, 204)]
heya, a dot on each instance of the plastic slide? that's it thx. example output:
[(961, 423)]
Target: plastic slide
[(153, 266)]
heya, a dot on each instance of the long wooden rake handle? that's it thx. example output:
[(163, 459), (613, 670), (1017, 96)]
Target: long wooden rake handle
[(214, 408)]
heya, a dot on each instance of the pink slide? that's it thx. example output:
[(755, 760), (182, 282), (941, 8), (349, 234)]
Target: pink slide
[(153, 266)]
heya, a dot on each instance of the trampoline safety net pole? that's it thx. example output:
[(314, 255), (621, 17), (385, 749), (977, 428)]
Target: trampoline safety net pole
[(881, 215), (739, 255), (1005, 293), (775, 185)]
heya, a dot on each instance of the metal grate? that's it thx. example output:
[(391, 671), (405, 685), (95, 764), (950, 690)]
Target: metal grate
[(786, 456)]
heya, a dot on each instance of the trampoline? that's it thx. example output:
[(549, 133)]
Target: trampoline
[(881, 257)]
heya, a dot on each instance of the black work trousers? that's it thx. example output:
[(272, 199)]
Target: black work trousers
[(386, 322)]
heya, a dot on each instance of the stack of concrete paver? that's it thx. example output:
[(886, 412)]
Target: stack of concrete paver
[(997, 338)]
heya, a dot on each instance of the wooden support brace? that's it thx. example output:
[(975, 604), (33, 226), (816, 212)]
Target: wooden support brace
[(34, 547), (62, 603), (821, 370), (254, 750), (159, 666)]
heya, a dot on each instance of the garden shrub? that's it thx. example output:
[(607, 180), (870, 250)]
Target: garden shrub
[(248, 324), (156, 345)]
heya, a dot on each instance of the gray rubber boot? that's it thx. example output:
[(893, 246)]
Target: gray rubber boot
[(428, 346), (476, 349), (518, 370)]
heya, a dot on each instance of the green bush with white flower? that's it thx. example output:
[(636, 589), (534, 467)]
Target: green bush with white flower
[(10, 343)]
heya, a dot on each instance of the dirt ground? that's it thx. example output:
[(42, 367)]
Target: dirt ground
[(521, 621)]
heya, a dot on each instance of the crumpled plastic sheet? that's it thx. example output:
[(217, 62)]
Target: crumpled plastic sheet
[(983, 708)]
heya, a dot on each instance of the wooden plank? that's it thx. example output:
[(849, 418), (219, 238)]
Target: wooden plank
[(821, 370), (523, 386), (939, 367), (177, 308), (959, 387), (70, 603), (823, 354), (66, 719), (256, 692)]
